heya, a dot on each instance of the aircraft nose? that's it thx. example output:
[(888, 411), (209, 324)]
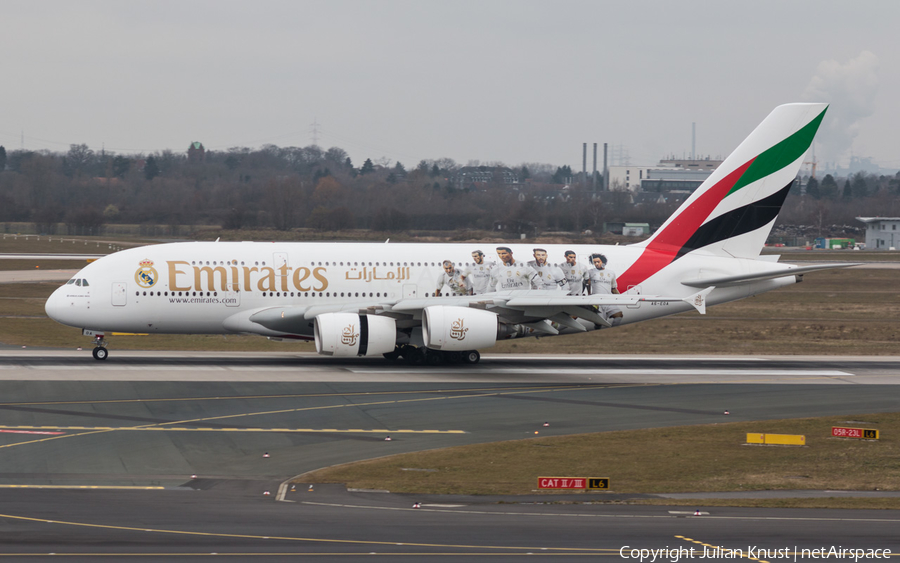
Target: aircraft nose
[(56, 305)]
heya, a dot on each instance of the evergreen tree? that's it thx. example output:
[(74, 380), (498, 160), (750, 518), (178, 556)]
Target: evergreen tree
[(829, 188), (524, 174), (121, 166), (860, 187), (812, 188), (151, 168), (563, 174), (2, 158), (435, 171), (847, 194), (367, 167)]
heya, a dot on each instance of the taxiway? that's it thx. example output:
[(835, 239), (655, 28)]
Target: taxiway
[(164, 453)]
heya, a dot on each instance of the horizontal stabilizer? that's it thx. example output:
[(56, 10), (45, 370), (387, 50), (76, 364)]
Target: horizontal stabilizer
[(728, 281), (698, 300)]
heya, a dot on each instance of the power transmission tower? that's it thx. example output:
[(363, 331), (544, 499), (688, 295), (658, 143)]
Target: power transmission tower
[(314, 131), (619, 155)]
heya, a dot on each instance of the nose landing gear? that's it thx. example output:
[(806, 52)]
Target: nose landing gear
[(100, 352)]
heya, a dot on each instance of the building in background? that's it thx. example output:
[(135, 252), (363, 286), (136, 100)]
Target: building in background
[(882, 233), (196, 152), (470, 177), (668, 175)]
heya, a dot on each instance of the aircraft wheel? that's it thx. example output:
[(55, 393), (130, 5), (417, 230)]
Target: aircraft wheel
[(100, 353), (434, 357), (407, 351), (471, 357), (416, 357)]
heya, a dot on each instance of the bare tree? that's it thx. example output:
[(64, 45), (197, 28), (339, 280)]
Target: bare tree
[(284, 198)]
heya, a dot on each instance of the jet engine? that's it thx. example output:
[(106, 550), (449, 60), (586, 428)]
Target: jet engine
[(349, 334), (456, 329)]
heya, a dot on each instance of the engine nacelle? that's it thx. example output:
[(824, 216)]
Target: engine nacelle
[(457, 329), (349, 334)]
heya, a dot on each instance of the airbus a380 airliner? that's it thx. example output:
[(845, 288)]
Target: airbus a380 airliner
[(379, 299)]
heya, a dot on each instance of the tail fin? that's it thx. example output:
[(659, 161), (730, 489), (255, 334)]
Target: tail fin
[(732, 212)]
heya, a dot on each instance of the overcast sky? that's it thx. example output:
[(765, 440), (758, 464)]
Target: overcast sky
[(512, 81)]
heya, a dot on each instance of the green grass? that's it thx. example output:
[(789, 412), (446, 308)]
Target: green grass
[(61, 245), (16, 264), (685, 459), (834, 255)]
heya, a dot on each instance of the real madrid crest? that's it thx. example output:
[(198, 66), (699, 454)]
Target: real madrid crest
[(146, 275)]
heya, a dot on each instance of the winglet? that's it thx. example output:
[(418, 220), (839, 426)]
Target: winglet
[(698, 300)]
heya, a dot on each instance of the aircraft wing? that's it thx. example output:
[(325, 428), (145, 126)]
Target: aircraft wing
[(537, 309), (531, 307), (728, 281)]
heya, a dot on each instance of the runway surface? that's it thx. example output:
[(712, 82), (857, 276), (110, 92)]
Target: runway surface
[(163, 452)]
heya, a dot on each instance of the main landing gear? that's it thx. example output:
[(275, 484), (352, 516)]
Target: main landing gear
[(100, 352), (420, 355)]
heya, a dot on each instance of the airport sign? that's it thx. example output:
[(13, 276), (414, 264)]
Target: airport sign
[(562, 482), (592, 483), (598, 483), (861, 433)]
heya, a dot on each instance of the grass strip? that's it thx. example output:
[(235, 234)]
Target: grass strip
[(684, 459)]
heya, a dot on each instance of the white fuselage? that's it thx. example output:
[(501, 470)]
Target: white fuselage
[(215, 287)]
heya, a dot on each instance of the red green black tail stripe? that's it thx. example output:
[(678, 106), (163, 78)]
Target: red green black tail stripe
[(688, 231), (780, 155), (666, 246), (737, 222)]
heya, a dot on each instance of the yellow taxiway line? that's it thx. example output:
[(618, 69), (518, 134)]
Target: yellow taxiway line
[(206, 429), (91, 487), (517, 549)]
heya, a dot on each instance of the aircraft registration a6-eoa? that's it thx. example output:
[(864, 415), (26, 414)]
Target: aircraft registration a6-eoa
[(381, 299)]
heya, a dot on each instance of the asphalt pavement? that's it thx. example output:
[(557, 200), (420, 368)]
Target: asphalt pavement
[(162, 456)]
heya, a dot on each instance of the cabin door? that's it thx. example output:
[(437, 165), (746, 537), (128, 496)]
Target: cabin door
[(119, 294)]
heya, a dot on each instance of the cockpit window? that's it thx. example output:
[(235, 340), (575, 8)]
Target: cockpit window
[(70, 282), (84, 283), (78, 283)]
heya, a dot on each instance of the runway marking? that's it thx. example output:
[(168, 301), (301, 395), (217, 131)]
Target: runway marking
[(622, 371), (10, 431), (92, 487), (541, 551), (517, 549), (307, 395), (302, 409), (269, 430), (583, 515), (739, 552), (557, 357)]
